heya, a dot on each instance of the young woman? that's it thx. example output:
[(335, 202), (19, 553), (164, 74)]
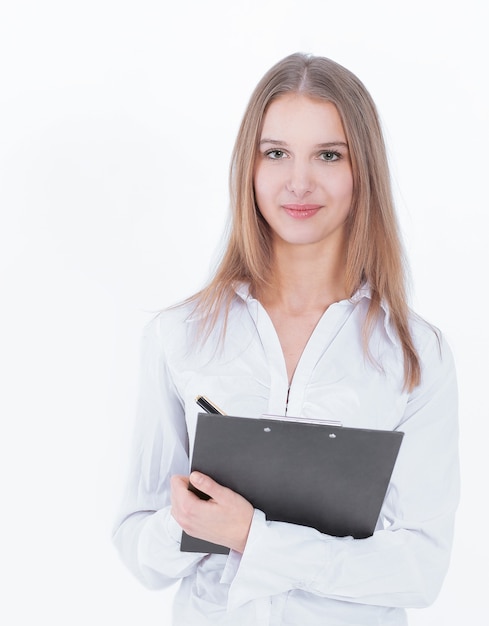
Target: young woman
[(305, 316)]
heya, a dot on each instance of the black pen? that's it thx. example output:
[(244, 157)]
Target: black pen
[(207, 405)]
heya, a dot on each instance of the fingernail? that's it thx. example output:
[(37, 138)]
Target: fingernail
[(196, 478)]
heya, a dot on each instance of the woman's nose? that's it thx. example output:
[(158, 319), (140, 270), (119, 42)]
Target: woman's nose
[(300, 180)]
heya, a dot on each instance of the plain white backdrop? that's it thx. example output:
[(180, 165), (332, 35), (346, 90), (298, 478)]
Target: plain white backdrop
[(117, 120)]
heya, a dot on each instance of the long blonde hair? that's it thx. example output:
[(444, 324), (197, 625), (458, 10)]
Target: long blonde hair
[(374, 251)]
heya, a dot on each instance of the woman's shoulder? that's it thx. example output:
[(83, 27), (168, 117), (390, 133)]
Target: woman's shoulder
[(170, 322), (430, 341)]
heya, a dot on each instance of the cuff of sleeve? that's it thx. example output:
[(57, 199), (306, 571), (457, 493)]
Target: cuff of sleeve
[(278, 557), (159, 527), (173, 528), (231, 567), (159, 546)]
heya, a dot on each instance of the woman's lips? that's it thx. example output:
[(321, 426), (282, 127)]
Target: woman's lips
[(301, 211)]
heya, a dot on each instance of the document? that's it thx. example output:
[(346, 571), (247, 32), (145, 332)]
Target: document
[(329, 477)]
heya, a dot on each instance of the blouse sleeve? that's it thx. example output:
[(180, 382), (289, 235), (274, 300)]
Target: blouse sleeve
[(404, 563), (146, 535)]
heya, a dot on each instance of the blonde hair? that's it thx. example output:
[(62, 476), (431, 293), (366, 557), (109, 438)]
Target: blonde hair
[(374, 251)]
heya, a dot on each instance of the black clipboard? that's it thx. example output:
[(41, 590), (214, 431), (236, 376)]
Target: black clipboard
[(332, 478)]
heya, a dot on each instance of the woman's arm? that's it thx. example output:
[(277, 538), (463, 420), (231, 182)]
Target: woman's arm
[(404, 563), (146, 534)]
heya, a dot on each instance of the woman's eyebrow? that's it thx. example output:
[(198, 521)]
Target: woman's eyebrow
[(274, 142), (332, 144)]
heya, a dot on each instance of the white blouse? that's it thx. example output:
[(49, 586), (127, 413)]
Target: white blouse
[(290, 574)]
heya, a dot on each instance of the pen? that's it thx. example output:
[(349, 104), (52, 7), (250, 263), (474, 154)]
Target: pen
[(207, 405)]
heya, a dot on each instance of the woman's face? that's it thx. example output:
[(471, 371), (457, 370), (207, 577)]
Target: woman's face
[(303, 179)]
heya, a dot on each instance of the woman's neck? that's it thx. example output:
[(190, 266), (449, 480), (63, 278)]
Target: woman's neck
[(305, 279)]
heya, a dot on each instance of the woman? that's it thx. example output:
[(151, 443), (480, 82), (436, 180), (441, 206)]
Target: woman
[(306, 315)]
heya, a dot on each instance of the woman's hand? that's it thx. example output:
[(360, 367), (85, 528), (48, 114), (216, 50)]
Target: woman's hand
[(225, 519)]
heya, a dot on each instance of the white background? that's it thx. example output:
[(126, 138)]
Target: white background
[(117, 120)]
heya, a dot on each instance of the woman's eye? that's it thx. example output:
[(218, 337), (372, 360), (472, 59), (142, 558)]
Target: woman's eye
[(276, 154), (329, 155)]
